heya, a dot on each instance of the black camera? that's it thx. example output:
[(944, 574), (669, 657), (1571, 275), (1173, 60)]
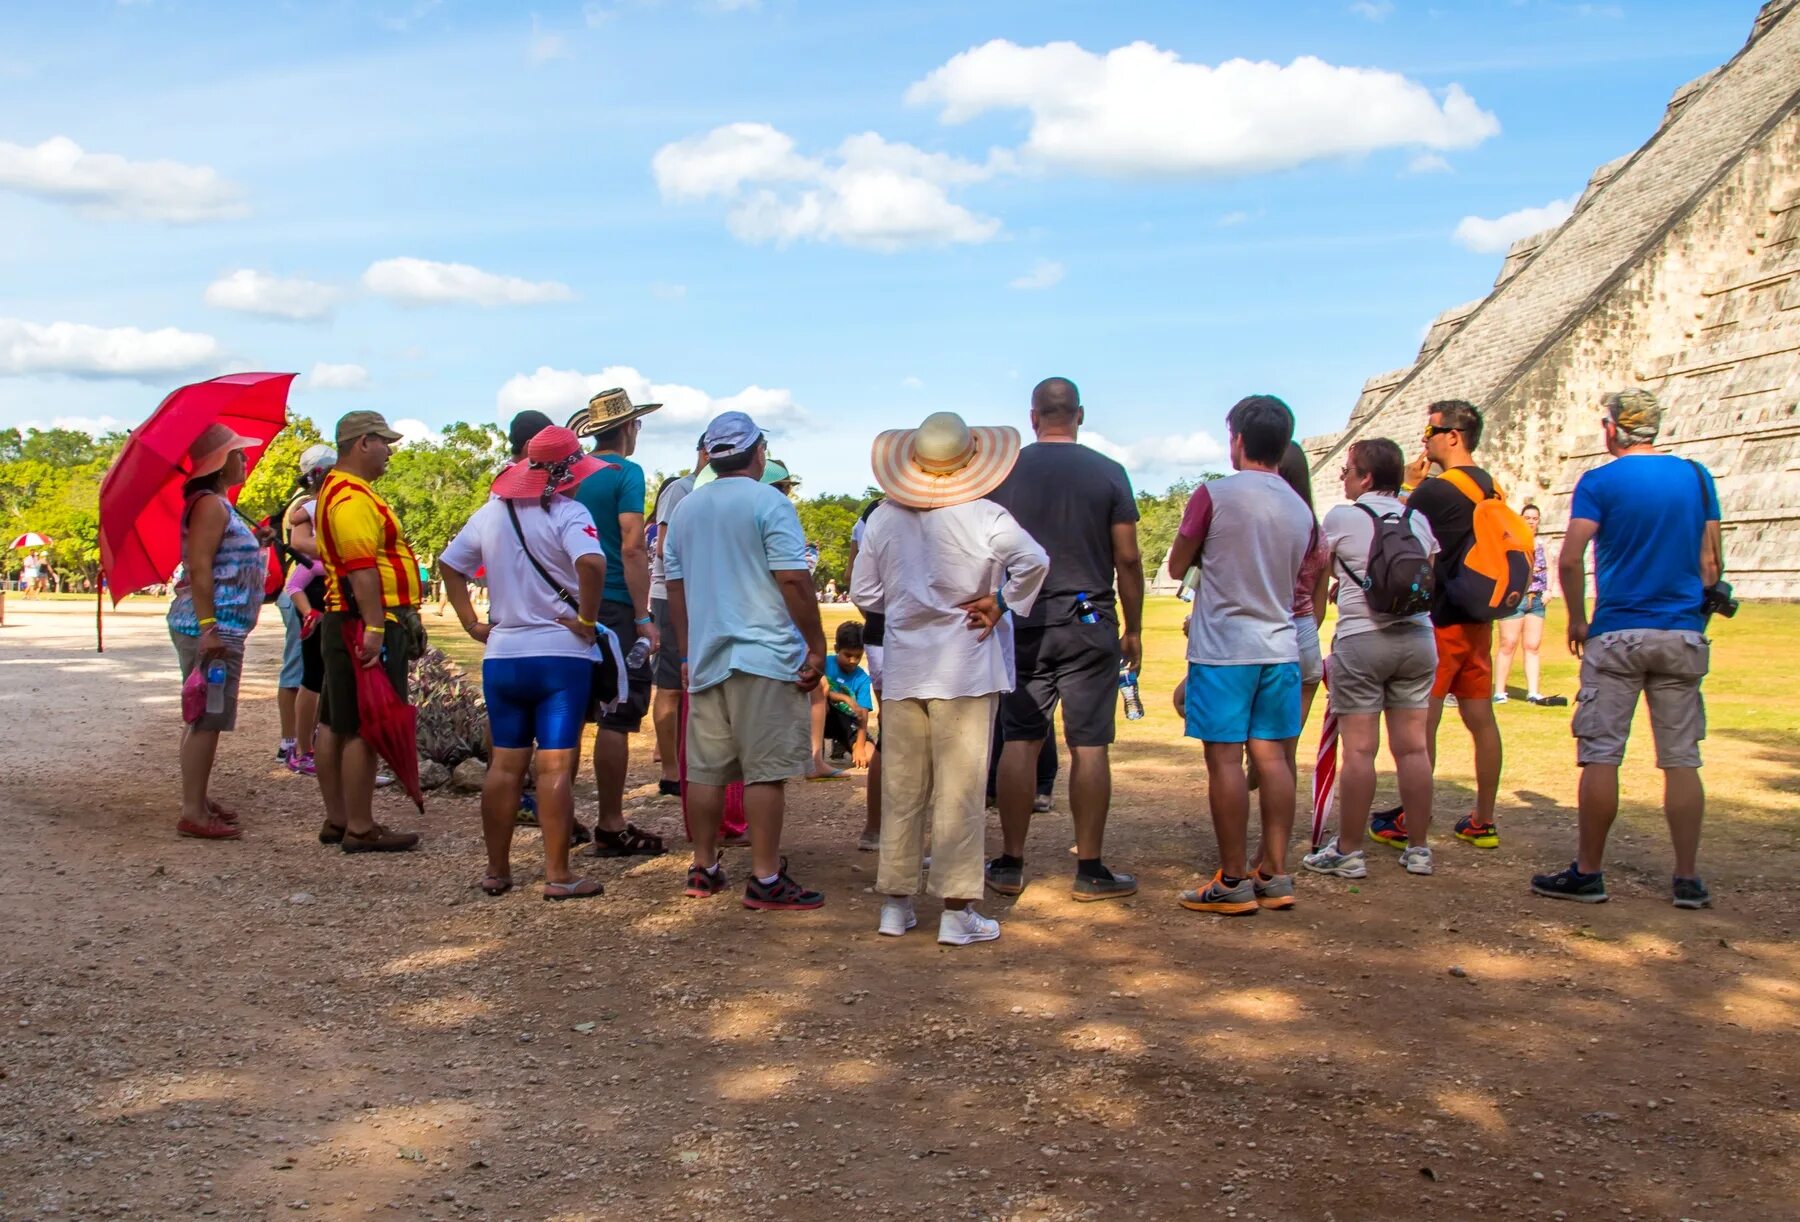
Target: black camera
[(1716, 599)]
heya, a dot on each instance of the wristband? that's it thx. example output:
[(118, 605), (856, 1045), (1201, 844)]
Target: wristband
[(641, 622), (585, 623), (208, 622), (382, 631)]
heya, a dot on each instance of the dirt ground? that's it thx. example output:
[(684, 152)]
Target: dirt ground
[(268, 1027)]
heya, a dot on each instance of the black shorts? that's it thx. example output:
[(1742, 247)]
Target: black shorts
[(665, 667), (337, 695), (628, 716), (1075, 664), (312, 660)]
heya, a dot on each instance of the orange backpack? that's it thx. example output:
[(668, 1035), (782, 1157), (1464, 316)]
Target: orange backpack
[(1491, 578)]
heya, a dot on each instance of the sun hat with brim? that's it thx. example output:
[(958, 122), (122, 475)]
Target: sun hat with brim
[(553, 460), (608, 410), (210, 450), (773, 473), (317, 458), (943, 462)]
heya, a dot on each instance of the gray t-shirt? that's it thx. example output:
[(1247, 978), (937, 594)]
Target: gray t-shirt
[(1253, 532), (665, 506), (1349, 533)]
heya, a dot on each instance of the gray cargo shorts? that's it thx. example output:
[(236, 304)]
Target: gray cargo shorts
[(1667, 666), (1387, 668)]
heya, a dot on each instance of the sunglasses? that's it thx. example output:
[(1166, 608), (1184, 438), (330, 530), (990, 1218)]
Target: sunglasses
[(1433, 430)]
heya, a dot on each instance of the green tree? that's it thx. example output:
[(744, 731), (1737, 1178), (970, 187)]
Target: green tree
[(436, 486), (273, 481), (827, 522)]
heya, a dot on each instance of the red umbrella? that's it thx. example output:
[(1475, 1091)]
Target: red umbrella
[(140, 498), (387, 723)]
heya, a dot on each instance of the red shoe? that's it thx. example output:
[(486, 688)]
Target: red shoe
[(212, 829)]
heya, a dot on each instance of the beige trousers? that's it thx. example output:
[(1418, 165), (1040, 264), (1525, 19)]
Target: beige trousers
[(934, 761)]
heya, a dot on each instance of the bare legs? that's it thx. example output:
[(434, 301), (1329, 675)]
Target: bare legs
[(198, 750), (1359, 734), (1509, 631), (556, 807), (665, 712), (1484, 732), (285, 700), (1684, 806), (765, 805), (612, 757), (346, 768), (1534, 640), (306, 720)]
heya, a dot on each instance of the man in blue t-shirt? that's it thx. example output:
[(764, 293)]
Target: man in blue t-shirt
[(1654, 521)]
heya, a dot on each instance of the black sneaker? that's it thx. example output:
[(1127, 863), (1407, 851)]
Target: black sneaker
[(1692, 893), (782, 895), (1088, 889), (1571, 884), (1549, 702), (579, 835), (1005, 879), (702, 884), (668, 789)]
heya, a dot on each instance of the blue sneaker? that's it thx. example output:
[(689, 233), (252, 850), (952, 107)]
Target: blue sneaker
[(527, 814), (1571, 884), (1388, 827)]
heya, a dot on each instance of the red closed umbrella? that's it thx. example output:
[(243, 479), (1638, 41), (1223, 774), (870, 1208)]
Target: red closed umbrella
[(140, 498), (387, 723)]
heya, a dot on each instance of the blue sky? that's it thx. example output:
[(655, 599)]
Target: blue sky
[(841, 216)]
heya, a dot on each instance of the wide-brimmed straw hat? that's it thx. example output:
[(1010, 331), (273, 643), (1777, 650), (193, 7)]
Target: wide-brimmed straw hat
[(943, 462), (553, 461), (210, 450), (608, 410)]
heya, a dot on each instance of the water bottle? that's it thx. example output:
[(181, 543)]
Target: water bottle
[(215, 686), (1128, 689), (640, 654), (1085, 610)]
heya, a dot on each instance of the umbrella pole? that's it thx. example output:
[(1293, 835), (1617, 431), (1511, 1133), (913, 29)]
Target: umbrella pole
[(99, 606)]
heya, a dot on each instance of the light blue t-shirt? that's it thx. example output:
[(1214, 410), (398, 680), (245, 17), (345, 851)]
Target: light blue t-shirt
[(726, 542), (1652, 510)]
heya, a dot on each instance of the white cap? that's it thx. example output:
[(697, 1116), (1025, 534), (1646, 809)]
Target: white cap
[(730, 433), (317, 458)]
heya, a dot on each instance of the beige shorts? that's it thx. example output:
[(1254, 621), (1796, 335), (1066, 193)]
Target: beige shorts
[(1388, 668), (1667, 667), (748, 729), (187, 652)]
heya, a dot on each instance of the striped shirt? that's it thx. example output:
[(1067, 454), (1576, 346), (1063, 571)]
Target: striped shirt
[(357, 530), (239, 568)]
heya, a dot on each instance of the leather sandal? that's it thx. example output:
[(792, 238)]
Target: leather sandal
[(380, 840), (330, 833), (629, 841)]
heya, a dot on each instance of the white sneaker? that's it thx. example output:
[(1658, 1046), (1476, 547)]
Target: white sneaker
[(962, 928), (1416, 858), (897, 916), (1327, 860), (1501, 697)]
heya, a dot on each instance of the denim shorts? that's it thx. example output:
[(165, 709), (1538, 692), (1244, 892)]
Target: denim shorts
[(292, 665)]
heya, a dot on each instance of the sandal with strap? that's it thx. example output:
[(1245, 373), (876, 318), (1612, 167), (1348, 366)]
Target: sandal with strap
[(630, 841), (495, 884), (575, 889)]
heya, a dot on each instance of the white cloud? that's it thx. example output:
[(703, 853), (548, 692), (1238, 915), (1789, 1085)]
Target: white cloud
[(93, 426), (1373, 10), (559, 393), (1179, 454), (543, 46), (82, 351), (1139, 110), (1428, 163), (107, 185), (668, 292), (913, 383), (1045, 273), (423, 282), (326, 376), (255, 292), (1233, 219), (415, 430), (867, 192), (1494, 236)]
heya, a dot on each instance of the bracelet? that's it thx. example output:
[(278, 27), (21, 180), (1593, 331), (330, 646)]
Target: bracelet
[(208, 622), (585, 623), (382, 631), (641, 622)]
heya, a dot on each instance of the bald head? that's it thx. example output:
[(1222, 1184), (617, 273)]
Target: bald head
[(1055, 408)]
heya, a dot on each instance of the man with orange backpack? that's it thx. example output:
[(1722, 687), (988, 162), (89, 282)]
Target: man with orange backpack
[(1483, 569)]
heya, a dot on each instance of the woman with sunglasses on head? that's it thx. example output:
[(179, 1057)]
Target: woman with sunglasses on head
[(1525, 628)]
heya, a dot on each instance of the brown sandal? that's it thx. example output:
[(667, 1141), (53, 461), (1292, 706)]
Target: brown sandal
[(630, 841), (495, 884)]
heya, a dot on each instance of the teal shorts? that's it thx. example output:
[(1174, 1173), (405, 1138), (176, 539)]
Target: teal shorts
[(1233, 704)]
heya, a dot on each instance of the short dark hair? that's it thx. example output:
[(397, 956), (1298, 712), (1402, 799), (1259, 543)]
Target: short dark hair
[(610, 439), (849, 635), (730, 463), (1461, 415), (1297, 472), (1532, 507), (1380, 459), (1266, 426), (1056, 399), (526, 425)]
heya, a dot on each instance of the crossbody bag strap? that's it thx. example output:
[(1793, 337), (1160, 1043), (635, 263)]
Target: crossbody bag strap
[(1700, 479), (550, 581)]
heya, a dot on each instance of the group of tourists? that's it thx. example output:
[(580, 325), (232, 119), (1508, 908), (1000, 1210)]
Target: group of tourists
[(998, 582)]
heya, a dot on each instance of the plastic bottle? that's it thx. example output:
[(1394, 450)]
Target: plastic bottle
[(640, 654), (1085, 610), (215, 686), (1128, 690)]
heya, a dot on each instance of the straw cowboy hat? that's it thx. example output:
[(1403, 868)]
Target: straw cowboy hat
[(608, 410), (943, 462), (210, 450), (553, 462)]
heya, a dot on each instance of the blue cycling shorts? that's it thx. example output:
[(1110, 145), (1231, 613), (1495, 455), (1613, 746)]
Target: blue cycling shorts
[(541, 700)]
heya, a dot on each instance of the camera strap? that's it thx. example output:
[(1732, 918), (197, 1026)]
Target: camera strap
[(1700, 479)]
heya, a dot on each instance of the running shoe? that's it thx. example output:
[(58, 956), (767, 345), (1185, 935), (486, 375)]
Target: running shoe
[(702, 884), (305, 765), (527, 814), (782, 895), (1416, 858), (384, 777), (965, 927), (1692, 893), (1388, 827), (1327, 860), (1115, 886), (1275, 892), (897, 916), (1481, 835), (1571, 884), (1502, 698), (1042, 804), (1007, 880), (1239, 900), (283, 749)]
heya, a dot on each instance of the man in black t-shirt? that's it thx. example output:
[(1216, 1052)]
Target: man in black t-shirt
[(1078, 505)]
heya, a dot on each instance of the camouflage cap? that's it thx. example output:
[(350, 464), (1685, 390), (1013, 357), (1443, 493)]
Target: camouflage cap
[(1636, 412)]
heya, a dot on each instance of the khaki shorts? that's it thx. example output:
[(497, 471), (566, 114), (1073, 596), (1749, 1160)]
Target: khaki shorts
[(187, 652), (1667, 667), (1389, 668), (748, 729)]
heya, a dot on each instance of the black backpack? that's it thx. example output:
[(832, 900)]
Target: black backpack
[(1399, 580)]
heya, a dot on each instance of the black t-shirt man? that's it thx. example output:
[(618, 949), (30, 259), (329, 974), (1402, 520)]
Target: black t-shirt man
[(1452, 519)]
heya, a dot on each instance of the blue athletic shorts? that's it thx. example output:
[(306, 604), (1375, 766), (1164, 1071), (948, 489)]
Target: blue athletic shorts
[(541, 700), (1233, 704)]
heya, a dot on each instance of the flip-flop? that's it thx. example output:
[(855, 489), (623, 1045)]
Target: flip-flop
[(495, 884), (836, 774), (578, 889)]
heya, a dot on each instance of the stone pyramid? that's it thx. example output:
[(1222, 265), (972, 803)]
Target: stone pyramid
[(1679, 271)]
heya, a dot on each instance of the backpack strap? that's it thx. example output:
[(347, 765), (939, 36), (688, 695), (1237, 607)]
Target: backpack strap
[(1464, 483), (1362, 583)]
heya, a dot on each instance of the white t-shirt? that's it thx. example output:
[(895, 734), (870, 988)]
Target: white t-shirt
[(1349, 533), (665, 509), (521, 605)]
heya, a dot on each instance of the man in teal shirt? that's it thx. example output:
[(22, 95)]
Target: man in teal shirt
[(615, 499)]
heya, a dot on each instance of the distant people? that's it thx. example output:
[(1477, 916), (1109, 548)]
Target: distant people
[(1249, 535), (943, 564), (874, 648), (1525, 628), (298, 707), (747, 622), (216, 604), (540, 551), (665, 677), (852, 697), (371, 585), (614, 497), (1382, 663), (1653, 519), (1077, 504), (1465, 644)]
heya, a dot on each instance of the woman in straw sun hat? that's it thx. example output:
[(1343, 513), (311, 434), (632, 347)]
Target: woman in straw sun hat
[(942, 564)]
